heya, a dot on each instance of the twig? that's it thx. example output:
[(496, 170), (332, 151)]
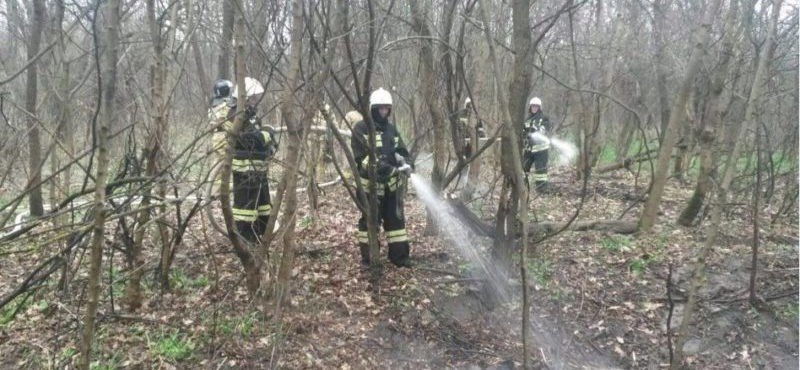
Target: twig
[(669, 315), (438, 271)]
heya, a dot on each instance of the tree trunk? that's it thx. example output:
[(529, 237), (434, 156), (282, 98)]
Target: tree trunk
[(670, 137), (722, 195), (581, 128), (297, 134), (712, 120), (36, 23), (108, 70), (252, 267), (755, 215), (512, 162), (223, 63), (660, 61), (197, 53), (473, 176), (428, 80)]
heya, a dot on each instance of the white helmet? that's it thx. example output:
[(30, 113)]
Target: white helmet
[(380, 97), (251, 88), (352, 117), (467, 102), (535, 101)]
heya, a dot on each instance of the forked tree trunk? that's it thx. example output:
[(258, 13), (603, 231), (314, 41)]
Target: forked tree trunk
[(709, 126), (670, 137), (428, 80), (251, 265), (722, 195), (512, 162)]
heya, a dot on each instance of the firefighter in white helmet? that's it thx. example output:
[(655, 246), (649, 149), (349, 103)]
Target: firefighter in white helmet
[(392, 158), (536, 128)]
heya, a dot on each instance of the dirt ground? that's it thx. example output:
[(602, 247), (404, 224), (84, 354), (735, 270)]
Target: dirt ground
[(599, 300)]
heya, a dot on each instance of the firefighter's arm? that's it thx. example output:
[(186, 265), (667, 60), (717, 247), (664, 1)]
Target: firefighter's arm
[(401, 149), (269, 142)]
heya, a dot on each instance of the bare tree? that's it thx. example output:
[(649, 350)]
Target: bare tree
[(670, 137), (107, 50), (724, 186), (712, 119), (223, 61), (35, 161)]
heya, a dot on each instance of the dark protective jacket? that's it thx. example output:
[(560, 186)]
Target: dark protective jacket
[(387, 143), (536, 123)]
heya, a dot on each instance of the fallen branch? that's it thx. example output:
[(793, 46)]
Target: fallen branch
[(627, 162), (540, 229)]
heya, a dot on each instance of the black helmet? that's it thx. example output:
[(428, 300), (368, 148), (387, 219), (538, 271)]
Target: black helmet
[(222, 89)]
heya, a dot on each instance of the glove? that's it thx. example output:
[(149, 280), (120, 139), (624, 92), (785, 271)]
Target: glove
[(385, 171), (405, 169), (405, 165), (531, 139), (249, 111)]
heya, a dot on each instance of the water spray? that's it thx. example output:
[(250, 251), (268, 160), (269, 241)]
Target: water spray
[(460, 236), (567, 151)]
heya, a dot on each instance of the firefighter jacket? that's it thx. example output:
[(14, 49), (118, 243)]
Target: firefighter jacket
[(218, 119), (387, 143), (536, 123)]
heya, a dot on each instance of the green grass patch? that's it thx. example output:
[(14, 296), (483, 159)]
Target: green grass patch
[(247, 324), (243, 326), (616, 243), (172, 346), (183, 282), (10, 310), (607, 155), (464, 268), (541, 271), (637, 266), (790, 312), (306, 222)]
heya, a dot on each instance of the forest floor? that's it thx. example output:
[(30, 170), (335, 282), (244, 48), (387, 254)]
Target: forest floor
[(599, 300)]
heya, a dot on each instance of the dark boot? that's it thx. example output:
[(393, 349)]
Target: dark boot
[(364, 248), (543, 187), (399, 254)]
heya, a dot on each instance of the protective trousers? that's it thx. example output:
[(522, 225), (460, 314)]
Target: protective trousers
[(538, 160), (251, 204), (394, 224)]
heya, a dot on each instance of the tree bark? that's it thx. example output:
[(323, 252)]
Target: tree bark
[(224, 60), (108, 50), (660, 63), (35, 161), (296, 135), (252, 266), (722, 194), (512, 162), (428, 80), (712, 120), (670, 137)]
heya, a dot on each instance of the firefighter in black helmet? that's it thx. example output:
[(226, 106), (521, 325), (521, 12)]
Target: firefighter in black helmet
[(251, 150), (392, 158)]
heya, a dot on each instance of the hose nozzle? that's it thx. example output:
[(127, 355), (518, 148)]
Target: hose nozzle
[(403, 167)]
